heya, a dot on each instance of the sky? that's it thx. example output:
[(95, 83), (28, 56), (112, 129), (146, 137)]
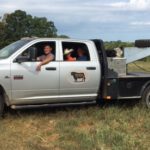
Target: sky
[(110, 20)]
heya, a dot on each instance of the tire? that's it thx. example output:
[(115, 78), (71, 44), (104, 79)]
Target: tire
[(146, 98), (1, 106), (142, 43)]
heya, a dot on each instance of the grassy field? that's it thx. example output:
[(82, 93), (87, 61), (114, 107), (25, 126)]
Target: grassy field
[(139, 66), (116, 126)]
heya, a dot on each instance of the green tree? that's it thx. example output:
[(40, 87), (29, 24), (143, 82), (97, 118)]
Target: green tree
[(41, 27), (19, 24), (3, 42), (2, 30)]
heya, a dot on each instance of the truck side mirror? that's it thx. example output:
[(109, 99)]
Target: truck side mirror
[(21, 59), (28, 55)]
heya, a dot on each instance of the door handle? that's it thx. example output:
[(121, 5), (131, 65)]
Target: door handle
[(50, 68), (91, 68)]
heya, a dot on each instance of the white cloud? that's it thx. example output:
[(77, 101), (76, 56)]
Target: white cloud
[(68, 11), (140, 23), (132, 5)]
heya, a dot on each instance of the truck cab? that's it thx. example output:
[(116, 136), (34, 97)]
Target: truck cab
[(58, 81)]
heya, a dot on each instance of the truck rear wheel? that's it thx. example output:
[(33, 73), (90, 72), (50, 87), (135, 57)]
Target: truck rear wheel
[(1, 106), (146, 98)]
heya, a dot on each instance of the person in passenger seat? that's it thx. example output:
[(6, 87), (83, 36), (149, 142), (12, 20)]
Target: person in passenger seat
[(46, 58), (67, 54), (81, 55)]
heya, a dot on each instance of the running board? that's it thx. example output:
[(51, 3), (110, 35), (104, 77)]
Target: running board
[(51, 105)]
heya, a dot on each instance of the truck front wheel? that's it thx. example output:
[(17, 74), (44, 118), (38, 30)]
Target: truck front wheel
[(1, 106), (146, 97)]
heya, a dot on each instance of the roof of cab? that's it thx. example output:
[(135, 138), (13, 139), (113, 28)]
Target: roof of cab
[(55, 39)]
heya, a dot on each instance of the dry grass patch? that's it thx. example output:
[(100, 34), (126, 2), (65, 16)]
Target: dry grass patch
[(113, 127)]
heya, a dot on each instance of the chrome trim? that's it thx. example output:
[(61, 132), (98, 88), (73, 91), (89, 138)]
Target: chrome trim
[(132, 97), (61, 96)]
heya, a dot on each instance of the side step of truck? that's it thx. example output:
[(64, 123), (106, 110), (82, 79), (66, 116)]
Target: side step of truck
[(52, 105)]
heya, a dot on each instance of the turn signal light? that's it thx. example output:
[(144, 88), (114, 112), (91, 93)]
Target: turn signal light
[(108, 97)]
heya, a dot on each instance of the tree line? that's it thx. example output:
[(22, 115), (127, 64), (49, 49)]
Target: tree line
[(20, 24), (114, 44)]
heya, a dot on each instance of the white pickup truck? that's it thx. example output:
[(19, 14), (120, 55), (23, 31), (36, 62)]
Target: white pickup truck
[(62, 82)]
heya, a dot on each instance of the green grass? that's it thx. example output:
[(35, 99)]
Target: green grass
[(139, 66), (118, 126), (114, 127)]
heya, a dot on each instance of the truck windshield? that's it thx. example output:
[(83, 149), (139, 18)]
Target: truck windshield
[(10, 49)]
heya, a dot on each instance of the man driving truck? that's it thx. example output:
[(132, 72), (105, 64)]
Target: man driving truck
[(46, 58)]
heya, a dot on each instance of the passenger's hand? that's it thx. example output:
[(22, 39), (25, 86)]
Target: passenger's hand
[(38, 68)]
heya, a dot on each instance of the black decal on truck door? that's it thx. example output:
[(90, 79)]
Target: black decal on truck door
[(78, 77)]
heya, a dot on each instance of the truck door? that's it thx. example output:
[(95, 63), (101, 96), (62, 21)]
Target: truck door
[(31, 86), (79, 79)]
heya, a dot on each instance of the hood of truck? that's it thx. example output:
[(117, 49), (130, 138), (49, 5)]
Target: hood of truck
[(4, 65), (4, 69), (4, 61)]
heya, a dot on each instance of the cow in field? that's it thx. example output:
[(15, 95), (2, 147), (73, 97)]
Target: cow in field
[(77, 76)]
